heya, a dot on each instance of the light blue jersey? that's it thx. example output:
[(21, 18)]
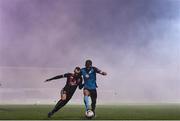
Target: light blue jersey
[(89, 77)]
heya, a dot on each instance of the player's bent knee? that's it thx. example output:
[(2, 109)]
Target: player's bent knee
[(86, 92), (63, 97)]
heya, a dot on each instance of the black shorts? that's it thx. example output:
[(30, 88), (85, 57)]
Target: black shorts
[(93, 92), (69, 93)]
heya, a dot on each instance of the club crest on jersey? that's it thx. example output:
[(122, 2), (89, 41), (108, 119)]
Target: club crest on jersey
[(73, 82), (87, 75)]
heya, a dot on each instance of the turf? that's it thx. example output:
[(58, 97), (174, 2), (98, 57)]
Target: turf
[(104, 112)]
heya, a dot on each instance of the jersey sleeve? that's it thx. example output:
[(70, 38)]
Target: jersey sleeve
[(97, 70), (59, 76), (66, 75)]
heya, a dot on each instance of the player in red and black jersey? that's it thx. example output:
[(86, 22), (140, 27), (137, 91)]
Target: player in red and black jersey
[(73, 81)]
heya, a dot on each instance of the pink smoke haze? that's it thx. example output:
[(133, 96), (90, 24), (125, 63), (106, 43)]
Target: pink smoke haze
[(137, 42)]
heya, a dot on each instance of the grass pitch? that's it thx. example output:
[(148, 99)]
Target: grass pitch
[(103, 112)]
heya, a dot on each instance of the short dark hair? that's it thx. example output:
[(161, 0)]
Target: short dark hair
[(88, 62), (78, 68)]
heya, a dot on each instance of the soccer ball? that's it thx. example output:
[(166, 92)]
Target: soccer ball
[(89, 114)]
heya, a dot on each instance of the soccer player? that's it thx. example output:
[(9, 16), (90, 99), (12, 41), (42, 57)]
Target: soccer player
[(89, 75), (73, 81)]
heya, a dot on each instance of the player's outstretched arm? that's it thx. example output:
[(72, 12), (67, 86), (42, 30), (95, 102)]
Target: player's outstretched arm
[(53, 78), (103, 73), (100, 72)]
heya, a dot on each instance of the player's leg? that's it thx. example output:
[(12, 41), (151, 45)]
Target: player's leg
[(63, 101), (86, 98), (93, 95)]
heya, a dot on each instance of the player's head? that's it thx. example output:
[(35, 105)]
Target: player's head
[(88, 63), (77, 71)]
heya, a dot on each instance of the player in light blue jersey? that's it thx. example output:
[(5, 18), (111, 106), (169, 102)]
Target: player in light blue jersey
[(90, 85)]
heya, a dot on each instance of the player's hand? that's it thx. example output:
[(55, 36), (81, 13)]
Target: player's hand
[(104, 73), (47, 80), (81, 86)]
